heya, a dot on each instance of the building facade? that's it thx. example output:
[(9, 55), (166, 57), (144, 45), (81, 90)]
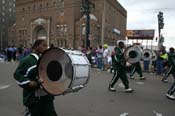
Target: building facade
[(62, 23), (7, 14)]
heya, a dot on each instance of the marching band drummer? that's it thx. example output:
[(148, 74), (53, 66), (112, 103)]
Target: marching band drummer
[(136, 67), (171, 61), (119, 69), (38, 102), (170, 65)]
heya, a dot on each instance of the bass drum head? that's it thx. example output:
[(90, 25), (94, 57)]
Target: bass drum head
[(55, 70), (133, 54), (147, 54), (154, 57)]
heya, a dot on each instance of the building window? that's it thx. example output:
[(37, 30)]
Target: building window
[(3, 13), (47, 5), (10, 10), (59, 28), (3, 8), (62, 28), (3, 1), (29, 8), (23, 9), (34, 7), (83, 30), (10, 4), (61, 7), (54, 3), (23, 18), (40, 6), (65, 29), (3, 20)]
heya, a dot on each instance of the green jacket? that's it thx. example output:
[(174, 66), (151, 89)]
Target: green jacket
[(118, 59), (171, 58), (26, 71)]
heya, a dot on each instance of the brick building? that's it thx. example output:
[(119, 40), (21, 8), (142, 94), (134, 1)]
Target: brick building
[(7, 18), (61, 22)]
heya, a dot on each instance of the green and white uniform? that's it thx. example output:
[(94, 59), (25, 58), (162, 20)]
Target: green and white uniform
[(35, 99), (119, 68), (171, 63), (171, 60)]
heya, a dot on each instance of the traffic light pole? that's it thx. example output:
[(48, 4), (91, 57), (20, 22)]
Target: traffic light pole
[(86, 6), (87, 30), (159, 42), (1, 38), (160, 26), (159, 30)]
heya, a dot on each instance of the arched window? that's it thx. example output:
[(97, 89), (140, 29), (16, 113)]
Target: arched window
[(41, 33)]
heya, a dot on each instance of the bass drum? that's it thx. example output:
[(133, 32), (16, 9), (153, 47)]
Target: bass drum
[(154, 57), (147, 54), (63, 71), (133, 54)]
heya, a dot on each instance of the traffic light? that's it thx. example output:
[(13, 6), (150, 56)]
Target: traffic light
[(160, 20)]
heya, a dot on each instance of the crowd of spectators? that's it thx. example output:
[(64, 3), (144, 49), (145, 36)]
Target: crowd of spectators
[(13, 53)]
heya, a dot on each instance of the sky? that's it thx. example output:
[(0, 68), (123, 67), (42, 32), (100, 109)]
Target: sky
[(142, 14)]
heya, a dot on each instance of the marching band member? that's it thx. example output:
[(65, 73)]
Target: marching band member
[(136, 67), (119, 69), (38, 102), (171, 60)]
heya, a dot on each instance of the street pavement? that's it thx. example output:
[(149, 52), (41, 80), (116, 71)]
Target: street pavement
[(148, 98)]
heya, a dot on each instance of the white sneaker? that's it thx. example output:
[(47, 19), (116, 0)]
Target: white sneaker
[(111, 89), (170, 96), (165, 81), (131, 77), (129, 90), (142, 78)]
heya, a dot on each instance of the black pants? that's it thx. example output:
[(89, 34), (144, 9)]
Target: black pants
[(42, 107), (168, 72), (136, 68), (172, 89), (120, 72)]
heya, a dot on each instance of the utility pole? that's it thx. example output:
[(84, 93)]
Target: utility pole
[(86, 9), (103, 23), (1, 37), (160, 26)]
